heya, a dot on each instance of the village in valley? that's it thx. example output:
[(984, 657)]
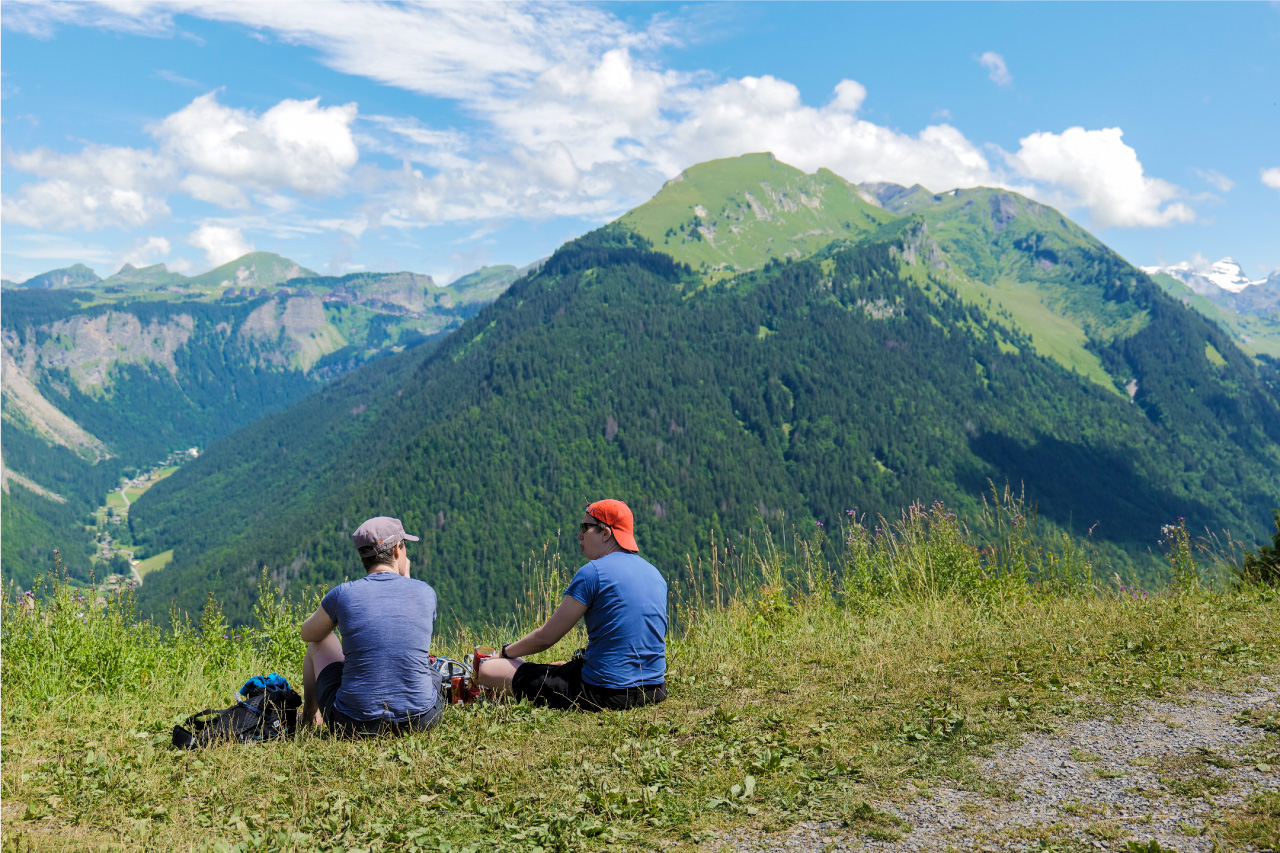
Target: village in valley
[(115, 549)]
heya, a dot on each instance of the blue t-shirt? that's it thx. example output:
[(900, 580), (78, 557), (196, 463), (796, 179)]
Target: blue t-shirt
[(385, 620), (626, 620)]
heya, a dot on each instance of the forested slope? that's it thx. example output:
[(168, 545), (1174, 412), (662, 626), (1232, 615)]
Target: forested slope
[(856, 378)]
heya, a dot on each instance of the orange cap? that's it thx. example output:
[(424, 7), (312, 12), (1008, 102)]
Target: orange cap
[(618, 516)]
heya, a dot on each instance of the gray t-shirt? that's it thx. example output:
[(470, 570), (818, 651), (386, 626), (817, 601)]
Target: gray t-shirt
[(385, 621)]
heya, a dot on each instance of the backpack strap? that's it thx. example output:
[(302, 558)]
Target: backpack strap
[(183, 738)]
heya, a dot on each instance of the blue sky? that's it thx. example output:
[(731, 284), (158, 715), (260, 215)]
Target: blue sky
[(438, 138)]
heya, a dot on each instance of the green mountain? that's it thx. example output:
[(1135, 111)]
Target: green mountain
[(113, 376), (868, 375), (727, 216), (73, 276), (257, 269)]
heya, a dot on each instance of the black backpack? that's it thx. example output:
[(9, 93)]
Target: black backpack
[(265, 713)]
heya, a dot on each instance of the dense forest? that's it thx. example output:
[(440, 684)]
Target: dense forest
[(784, 396)]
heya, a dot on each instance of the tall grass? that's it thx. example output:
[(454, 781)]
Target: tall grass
[(809, 675)]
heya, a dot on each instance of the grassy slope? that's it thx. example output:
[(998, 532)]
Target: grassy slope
[(1008, 250), (753, 208), (789, 702), (151, 564)]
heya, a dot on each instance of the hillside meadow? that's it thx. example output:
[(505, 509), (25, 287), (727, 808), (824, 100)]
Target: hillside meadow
[(810, 679)]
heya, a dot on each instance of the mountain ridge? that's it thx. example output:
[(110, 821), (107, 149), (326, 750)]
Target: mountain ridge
[(859, 377)]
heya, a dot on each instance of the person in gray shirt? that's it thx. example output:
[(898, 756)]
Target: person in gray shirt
[(379, 678)]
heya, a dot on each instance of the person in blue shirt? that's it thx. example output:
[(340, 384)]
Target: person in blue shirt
[(380, 678), (622, 600)]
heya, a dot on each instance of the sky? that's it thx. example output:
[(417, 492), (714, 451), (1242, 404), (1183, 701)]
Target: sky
[(354, 135)]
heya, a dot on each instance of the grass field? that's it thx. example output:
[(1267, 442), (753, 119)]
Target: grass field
[(799, 690), (151, 564), (1056, 337)]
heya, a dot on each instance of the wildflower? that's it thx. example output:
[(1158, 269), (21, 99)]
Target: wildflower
[(818, 523)]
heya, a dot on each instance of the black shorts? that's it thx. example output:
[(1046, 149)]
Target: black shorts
[(327, 685), (562, 687)]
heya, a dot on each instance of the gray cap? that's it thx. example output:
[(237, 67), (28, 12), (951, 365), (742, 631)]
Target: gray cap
[(380, 534)]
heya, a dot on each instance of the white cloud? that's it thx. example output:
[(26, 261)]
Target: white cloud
[(220, 243), (209, 151), (215, 191), (996, 69), (573, 116), (174, 77), (439, 48), (766, 114), (99, 187), (56, 247), (41, 19), (181, 265), (1095, 169), (143, 253), (295, 144), (1271, 178), (1216, 179)]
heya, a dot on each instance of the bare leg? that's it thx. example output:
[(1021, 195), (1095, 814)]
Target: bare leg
[(319, 656), (496, 674)]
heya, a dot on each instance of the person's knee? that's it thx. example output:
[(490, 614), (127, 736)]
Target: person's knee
[(497, 672)]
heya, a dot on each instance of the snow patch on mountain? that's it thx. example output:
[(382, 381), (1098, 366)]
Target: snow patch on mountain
[(1208, 279)]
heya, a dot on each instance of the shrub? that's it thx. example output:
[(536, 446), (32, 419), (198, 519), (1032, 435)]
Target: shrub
[(1263, 566)]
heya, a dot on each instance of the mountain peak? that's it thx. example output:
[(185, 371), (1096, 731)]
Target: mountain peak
[(734, 214), (76, 275), (893, 196), (1225, 274), (256, 269)]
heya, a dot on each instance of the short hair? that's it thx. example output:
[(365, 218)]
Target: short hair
[(375, 556)]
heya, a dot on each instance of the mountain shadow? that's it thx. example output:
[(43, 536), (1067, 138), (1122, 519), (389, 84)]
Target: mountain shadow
[(1086, 488)]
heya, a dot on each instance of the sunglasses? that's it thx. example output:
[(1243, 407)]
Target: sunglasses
[(587, 525)]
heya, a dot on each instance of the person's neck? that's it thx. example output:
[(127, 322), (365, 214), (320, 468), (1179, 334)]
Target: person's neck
[(381, 569)]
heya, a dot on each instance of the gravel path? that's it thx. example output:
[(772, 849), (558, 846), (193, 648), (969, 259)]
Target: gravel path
[(1158, 770)]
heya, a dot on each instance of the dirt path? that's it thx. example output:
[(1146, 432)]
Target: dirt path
[(1160, 770)]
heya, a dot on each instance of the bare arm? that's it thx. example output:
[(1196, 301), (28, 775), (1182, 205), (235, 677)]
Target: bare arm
[(542, 638), (317, 627)]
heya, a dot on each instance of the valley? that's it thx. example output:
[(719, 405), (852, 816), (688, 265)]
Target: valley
[(111, 530), (103, 376)]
